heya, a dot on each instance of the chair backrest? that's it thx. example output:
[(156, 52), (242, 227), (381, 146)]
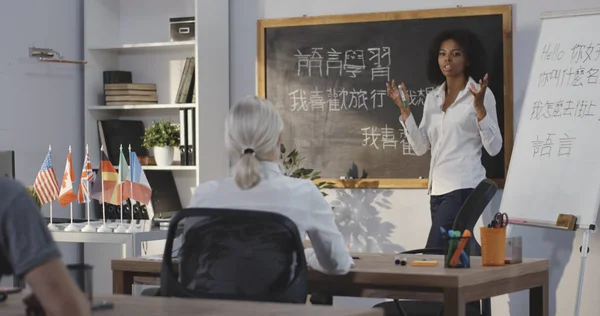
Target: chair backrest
[(474, 206), (236, 255)]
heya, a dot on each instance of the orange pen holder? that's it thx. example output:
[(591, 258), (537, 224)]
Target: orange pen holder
[(493, 246)]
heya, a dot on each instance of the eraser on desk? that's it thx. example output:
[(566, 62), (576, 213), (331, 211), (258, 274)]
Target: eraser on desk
[(424, 263)]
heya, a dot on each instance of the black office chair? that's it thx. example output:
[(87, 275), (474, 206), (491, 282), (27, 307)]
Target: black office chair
[(467, 217), (236, 255)]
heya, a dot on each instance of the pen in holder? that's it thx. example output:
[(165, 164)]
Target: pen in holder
[(457, 249)]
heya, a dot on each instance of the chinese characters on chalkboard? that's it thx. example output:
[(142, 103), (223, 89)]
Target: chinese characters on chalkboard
[(385, 137), (582, 71), (353, 62), (375, 62)]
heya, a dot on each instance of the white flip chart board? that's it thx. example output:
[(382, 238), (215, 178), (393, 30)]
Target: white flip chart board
[(555, 163)]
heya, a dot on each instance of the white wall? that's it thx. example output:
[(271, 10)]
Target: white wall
[(391, 220), (41, 103)]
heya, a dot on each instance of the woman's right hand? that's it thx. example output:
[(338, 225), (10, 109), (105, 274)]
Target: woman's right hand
[(394, 94)]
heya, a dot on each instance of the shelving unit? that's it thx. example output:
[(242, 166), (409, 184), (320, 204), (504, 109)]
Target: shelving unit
[(133, 35)]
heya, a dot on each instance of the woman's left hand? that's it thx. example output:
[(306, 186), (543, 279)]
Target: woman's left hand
[(478, 95)]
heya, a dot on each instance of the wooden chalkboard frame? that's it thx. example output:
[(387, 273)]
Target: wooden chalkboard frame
[(504, 10)]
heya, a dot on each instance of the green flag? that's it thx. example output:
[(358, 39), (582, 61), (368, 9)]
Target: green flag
[(123, 169)]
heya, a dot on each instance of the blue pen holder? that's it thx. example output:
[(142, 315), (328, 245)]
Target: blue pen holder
[(457, 252)]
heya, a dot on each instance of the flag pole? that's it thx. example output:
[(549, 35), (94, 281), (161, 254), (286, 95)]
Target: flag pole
[(71, 227), (104, 228), (132, 228), (51, 226), (121, 228), (87, 228)]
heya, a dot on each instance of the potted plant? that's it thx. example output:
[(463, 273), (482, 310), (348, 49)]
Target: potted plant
[(162, 137), (34, 195), (291, 165)]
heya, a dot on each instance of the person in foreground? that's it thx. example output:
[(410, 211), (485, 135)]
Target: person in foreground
[(253, 136), (459, 118), (28, 251)]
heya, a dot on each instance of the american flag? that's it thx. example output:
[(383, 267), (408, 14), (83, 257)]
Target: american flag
[(45, 183), (87, 177)]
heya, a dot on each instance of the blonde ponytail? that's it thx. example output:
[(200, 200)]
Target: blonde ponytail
[(252, 134)]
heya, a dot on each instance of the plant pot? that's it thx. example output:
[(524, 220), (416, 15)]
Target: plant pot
[(163, 156)]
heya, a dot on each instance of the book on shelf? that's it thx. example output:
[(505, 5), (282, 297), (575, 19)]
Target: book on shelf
[(130, 93), (185, 91), (116, 76)]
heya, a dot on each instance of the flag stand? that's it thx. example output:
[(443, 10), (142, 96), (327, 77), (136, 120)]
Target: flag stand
[(71, 227), (104, 228), (132, 228), (87, 228), (121, 228), (51, 226)]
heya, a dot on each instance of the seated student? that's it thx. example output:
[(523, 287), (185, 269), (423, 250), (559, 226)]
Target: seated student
[(28, 250), (253, 135)]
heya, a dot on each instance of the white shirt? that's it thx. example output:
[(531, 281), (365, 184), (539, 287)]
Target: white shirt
[(298, 199), (455, 138)]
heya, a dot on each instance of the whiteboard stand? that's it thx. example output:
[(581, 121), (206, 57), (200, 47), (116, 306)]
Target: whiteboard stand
[(584, 251), (584, 248)]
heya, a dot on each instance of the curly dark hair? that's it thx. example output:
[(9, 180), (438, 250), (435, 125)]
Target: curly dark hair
[(471, 46)]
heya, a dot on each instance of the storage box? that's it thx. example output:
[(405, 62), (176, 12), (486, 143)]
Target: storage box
[(183, 29)]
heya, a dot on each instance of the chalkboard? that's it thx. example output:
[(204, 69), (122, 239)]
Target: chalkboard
[(327, 77)]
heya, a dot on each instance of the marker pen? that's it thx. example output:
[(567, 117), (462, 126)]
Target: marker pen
[(402, 96)]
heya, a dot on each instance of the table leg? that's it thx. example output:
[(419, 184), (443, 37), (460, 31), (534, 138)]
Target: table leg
[(538, 300), (454, 303), (122, 282)]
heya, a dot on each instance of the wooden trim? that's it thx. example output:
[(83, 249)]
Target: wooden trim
[(504, 10), (508, 137), (386, 16)]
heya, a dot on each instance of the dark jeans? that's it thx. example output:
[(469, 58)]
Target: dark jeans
[(444, 209)]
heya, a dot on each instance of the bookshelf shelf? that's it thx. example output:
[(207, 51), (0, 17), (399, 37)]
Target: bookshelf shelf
[(143, 46), (167, 168), (142, 107)]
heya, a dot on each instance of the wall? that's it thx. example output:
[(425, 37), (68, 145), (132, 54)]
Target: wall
[(41, 102), (378, 220)]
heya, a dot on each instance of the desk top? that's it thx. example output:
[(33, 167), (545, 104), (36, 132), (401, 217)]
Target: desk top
[(379, 269), (131, 305)]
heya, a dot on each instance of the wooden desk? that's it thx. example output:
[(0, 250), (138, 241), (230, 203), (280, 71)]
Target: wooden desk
[(133, 305), (376, 275)]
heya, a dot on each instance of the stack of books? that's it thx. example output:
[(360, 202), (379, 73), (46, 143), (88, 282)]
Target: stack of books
[(130, 93)]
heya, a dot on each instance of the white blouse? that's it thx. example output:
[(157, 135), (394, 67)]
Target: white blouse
[(455, 138), (298, 199)]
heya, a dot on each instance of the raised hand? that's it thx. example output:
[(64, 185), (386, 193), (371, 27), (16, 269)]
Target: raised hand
[(478, 95), (394, 94)]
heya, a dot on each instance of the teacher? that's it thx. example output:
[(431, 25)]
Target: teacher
[(459, 118)]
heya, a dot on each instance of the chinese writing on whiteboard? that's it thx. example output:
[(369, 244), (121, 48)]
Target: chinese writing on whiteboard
[(546, 146)]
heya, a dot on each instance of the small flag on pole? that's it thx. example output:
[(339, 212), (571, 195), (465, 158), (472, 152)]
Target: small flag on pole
[(139, 188), (45, 183), (123, 175), (109, 176), (66, 194), (87, 177)]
